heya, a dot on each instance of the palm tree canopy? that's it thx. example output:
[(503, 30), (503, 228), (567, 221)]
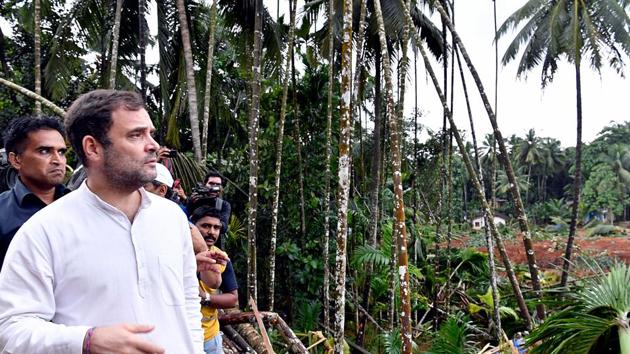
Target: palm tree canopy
[(568, 28)]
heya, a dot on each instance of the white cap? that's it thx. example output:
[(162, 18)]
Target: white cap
[(163, 175)]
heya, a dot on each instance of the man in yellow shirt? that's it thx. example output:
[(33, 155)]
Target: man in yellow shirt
[(209, 224)]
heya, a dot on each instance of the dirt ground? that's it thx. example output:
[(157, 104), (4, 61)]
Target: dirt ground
[(549, 253)]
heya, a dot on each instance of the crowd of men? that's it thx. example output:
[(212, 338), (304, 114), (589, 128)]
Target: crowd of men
[(126, 263)]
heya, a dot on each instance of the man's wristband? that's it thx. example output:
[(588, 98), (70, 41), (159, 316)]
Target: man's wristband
[(88, 340)]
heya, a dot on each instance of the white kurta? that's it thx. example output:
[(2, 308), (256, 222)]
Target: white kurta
[(80, 263)]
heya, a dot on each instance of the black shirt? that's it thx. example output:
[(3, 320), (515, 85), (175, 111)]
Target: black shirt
[(17, 205)]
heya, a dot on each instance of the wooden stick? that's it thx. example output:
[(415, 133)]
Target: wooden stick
[(261, 326)]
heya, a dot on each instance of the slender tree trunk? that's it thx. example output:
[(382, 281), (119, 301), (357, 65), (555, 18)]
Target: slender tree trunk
[(113, 63), (329, 113), (278, 173), (476, 183), (577, 182), (190, 80), (205, 127), (496, 315), (38, 55), (298, 145), (504, 159), (343, 191), (142, 4), (399, 203), (374, 191), (253, 155)]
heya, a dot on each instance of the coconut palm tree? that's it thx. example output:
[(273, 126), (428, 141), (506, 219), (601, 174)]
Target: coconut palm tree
[(206, 99), (577, 30), (600, 315)]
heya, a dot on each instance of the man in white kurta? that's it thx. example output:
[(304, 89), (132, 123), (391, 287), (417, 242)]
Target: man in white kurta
[(110, 268)]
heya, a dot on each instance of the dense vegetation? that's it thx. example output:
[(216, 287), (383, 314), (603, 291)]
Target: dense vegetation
[(242, 124)]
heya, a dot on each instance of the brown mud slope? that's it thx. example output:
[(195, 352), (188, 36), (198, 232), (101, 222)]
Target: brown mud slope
[(550, 253)]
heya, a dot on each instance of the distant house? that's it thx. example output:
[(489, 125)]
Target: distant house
[(478, 222)]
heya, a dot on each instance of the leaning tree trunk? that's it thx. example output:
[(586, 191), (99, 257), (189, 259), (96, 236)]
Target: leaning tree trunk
[(489, 242), (475, 180), (577, 181), (329, 110), (399, 203), (298, 145), (253, 155), (507, 165), (30, 94), (191, 88), (343, 190), (38, 56), (206, 97), (113, 63), (278, 173)]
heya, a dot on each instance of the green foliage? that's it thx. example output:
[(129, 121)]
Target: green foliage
[(591, 323), (453, 338)]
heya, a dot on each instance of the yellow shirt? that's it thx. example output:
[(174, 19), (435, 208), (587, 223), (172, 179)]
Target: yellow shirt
[(210, 315)]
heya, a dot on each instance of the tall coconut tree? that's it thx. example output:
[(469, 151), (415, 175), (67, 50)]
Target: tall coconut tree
[(253, 153), (399, 203), (519, 209), (113, 62), (142, 40), (577, 30), (191, 87), (38, 56), (343, 189), (473, 177), (209, 65), (279, 141)]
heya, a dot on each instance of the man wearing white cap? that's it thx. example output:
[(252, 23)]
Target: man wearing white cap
[(162, 184)]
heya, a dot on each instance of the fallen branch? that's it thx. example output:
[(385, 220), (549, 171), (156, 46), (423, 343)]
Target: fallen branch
[(295, 345)]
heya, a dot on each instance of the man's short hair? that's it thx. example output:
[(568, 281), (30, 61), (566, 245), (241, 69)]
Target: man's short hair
[(17, 132), (204, 211), (212, 174), (91, 114)]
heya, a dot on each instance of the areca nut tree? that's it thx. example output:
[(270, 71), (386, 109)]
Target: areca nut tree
[(191, 88), (254, 116), (573, 29), (327, 175), (343, 188), (209, 65), (113, 63), (278, 167), (37, 31), (399, 202), (519, 209)]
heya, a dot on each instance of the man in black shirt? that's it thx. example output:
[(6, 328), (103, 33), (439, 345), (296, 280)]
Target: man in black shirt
[(36, 148)]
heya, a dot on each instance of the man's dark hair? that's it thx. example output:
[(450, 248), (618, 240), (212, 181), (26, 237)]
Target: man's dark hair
[(17, 132), (204, 211), (212, 174), (91, 114)]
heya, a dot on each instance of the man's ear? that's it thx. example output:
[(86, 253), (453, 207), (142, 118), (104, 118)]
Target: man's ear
[(15, 160), (92, 149), (163, 190)]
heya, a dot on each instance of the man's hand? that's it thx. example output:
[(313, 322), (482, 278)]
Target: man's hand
[(211, 260), (123, 339)]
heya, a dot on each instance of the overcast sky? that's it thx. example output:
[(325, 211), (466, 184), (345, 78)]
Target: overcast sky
[(523, 104)]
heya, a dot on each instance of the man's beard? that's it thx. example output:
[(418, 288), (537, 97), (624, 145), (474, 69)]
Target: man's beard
[(126, 173)]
